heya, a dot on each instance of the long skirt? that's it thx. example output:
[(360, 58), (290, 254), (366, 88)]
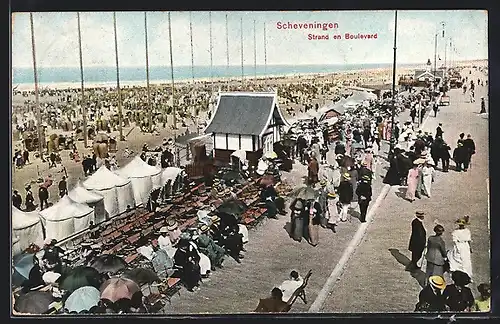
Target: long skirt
[(297, 228), (190, 275), (244, 232), (313, 229), (433, 270), (205, 264)]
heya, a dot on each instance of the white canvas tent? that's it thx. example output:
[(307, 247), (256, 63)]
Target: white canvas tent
[(27, 227), (117, 191), (65, 218), (16, 248), (143, 177), (170, 173), (92, 199)]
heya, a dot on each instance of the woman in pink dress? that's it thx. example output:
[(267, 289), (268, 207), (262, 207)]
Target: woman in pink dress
[(412, 181)]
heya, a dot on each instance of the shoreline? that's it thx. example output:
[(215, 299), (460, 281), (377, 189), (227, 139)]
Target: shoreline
[(198, 81)]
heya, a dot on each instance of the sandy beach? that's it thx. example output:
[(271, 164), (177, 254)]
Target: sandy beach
[(135, 138)]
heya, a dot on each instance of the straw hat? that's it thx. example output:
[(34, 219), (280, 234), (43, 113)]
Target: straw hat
[(215, 219), (204, 228), (332, 194), (366, 177), (419, 161), (172, 225), (347, 176), (437, 282), (164, 229), (461, 221)]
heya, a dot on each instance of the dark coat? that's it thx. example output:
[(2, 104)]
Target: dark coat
[(457, 298), (436, 250), (430, 301), (470, 146), (439, 132), (364, 191), (346, 192), (460, 154), (418, 236), (271, 305)]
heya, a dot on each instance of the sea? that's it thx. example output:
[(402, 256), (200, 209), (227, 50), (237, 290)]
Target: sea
[(104, 75)]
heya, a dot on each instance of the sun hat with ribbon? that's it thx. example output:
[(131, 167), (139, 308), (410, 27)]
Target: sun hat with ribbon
[(437, 282), (164, 229), (172, 225)]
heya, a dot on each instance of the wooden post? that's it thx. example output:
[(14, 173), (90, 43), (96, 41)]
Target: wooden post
[(150, 113), (172, 70), (41, 138), (84, 104), (120, 114)]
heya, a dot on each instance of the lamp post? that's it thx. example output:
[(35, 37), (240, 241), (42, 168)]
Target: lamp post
[(393, 112)]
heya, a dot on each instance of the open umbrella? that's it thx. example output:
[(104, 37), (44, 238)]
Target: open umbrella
[(108, 263), (118, 288), (141, 276), (232, 207), (23, 265), (34, 302), (305, 193), (80, 277), (84, 298)]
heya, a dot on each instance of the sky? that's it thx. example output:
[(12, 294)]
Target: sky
[(56, 36)]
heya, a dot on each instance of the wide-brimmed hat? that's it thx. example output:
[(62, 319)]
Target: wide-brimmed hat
[(215, 218), (423, 154), (298, 205), (462, 221), (185, 236), (366, 177), (419, 161), (204, 228), (164, 229), (347, 176), (172, 225), (437, 282), (419, 213)]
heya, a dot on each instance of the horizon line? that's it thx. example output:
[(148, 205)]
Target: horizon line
[(238, 65)]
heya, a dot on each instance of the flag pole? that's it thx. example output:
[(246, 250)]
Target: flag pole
[(84, 104), (120, 114), (241, 41), (172, 70), (192, 50), (265, 55), (254, 50), (150, 113), (211, 54), (37, 95), (227, 55), (393, 112)]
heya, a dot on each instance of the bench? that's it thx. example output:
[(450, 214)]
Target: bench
[(299, 292), (131, 258)]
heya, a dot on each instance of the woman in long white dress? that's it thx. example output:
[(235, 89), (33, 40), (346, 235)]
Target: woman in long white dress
[(428, 178), (460, 255)]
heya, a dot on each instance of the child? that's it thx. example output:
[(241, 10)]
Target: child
[(483, 303)]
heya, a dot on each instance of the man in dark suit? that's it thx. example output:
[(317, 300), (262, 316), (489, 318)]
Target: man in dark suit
[(274, 304), (417, 240), (439, 131)]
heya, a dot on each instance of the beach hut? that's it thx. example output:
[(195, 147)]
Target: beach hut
[(333, 110), (248, 121), (65, 218), (27, 228), (91, 199), (143, 177), (117, 191)]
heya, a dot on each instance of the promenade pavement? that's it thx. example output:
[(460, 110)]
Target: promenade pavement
[(375, 279)]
